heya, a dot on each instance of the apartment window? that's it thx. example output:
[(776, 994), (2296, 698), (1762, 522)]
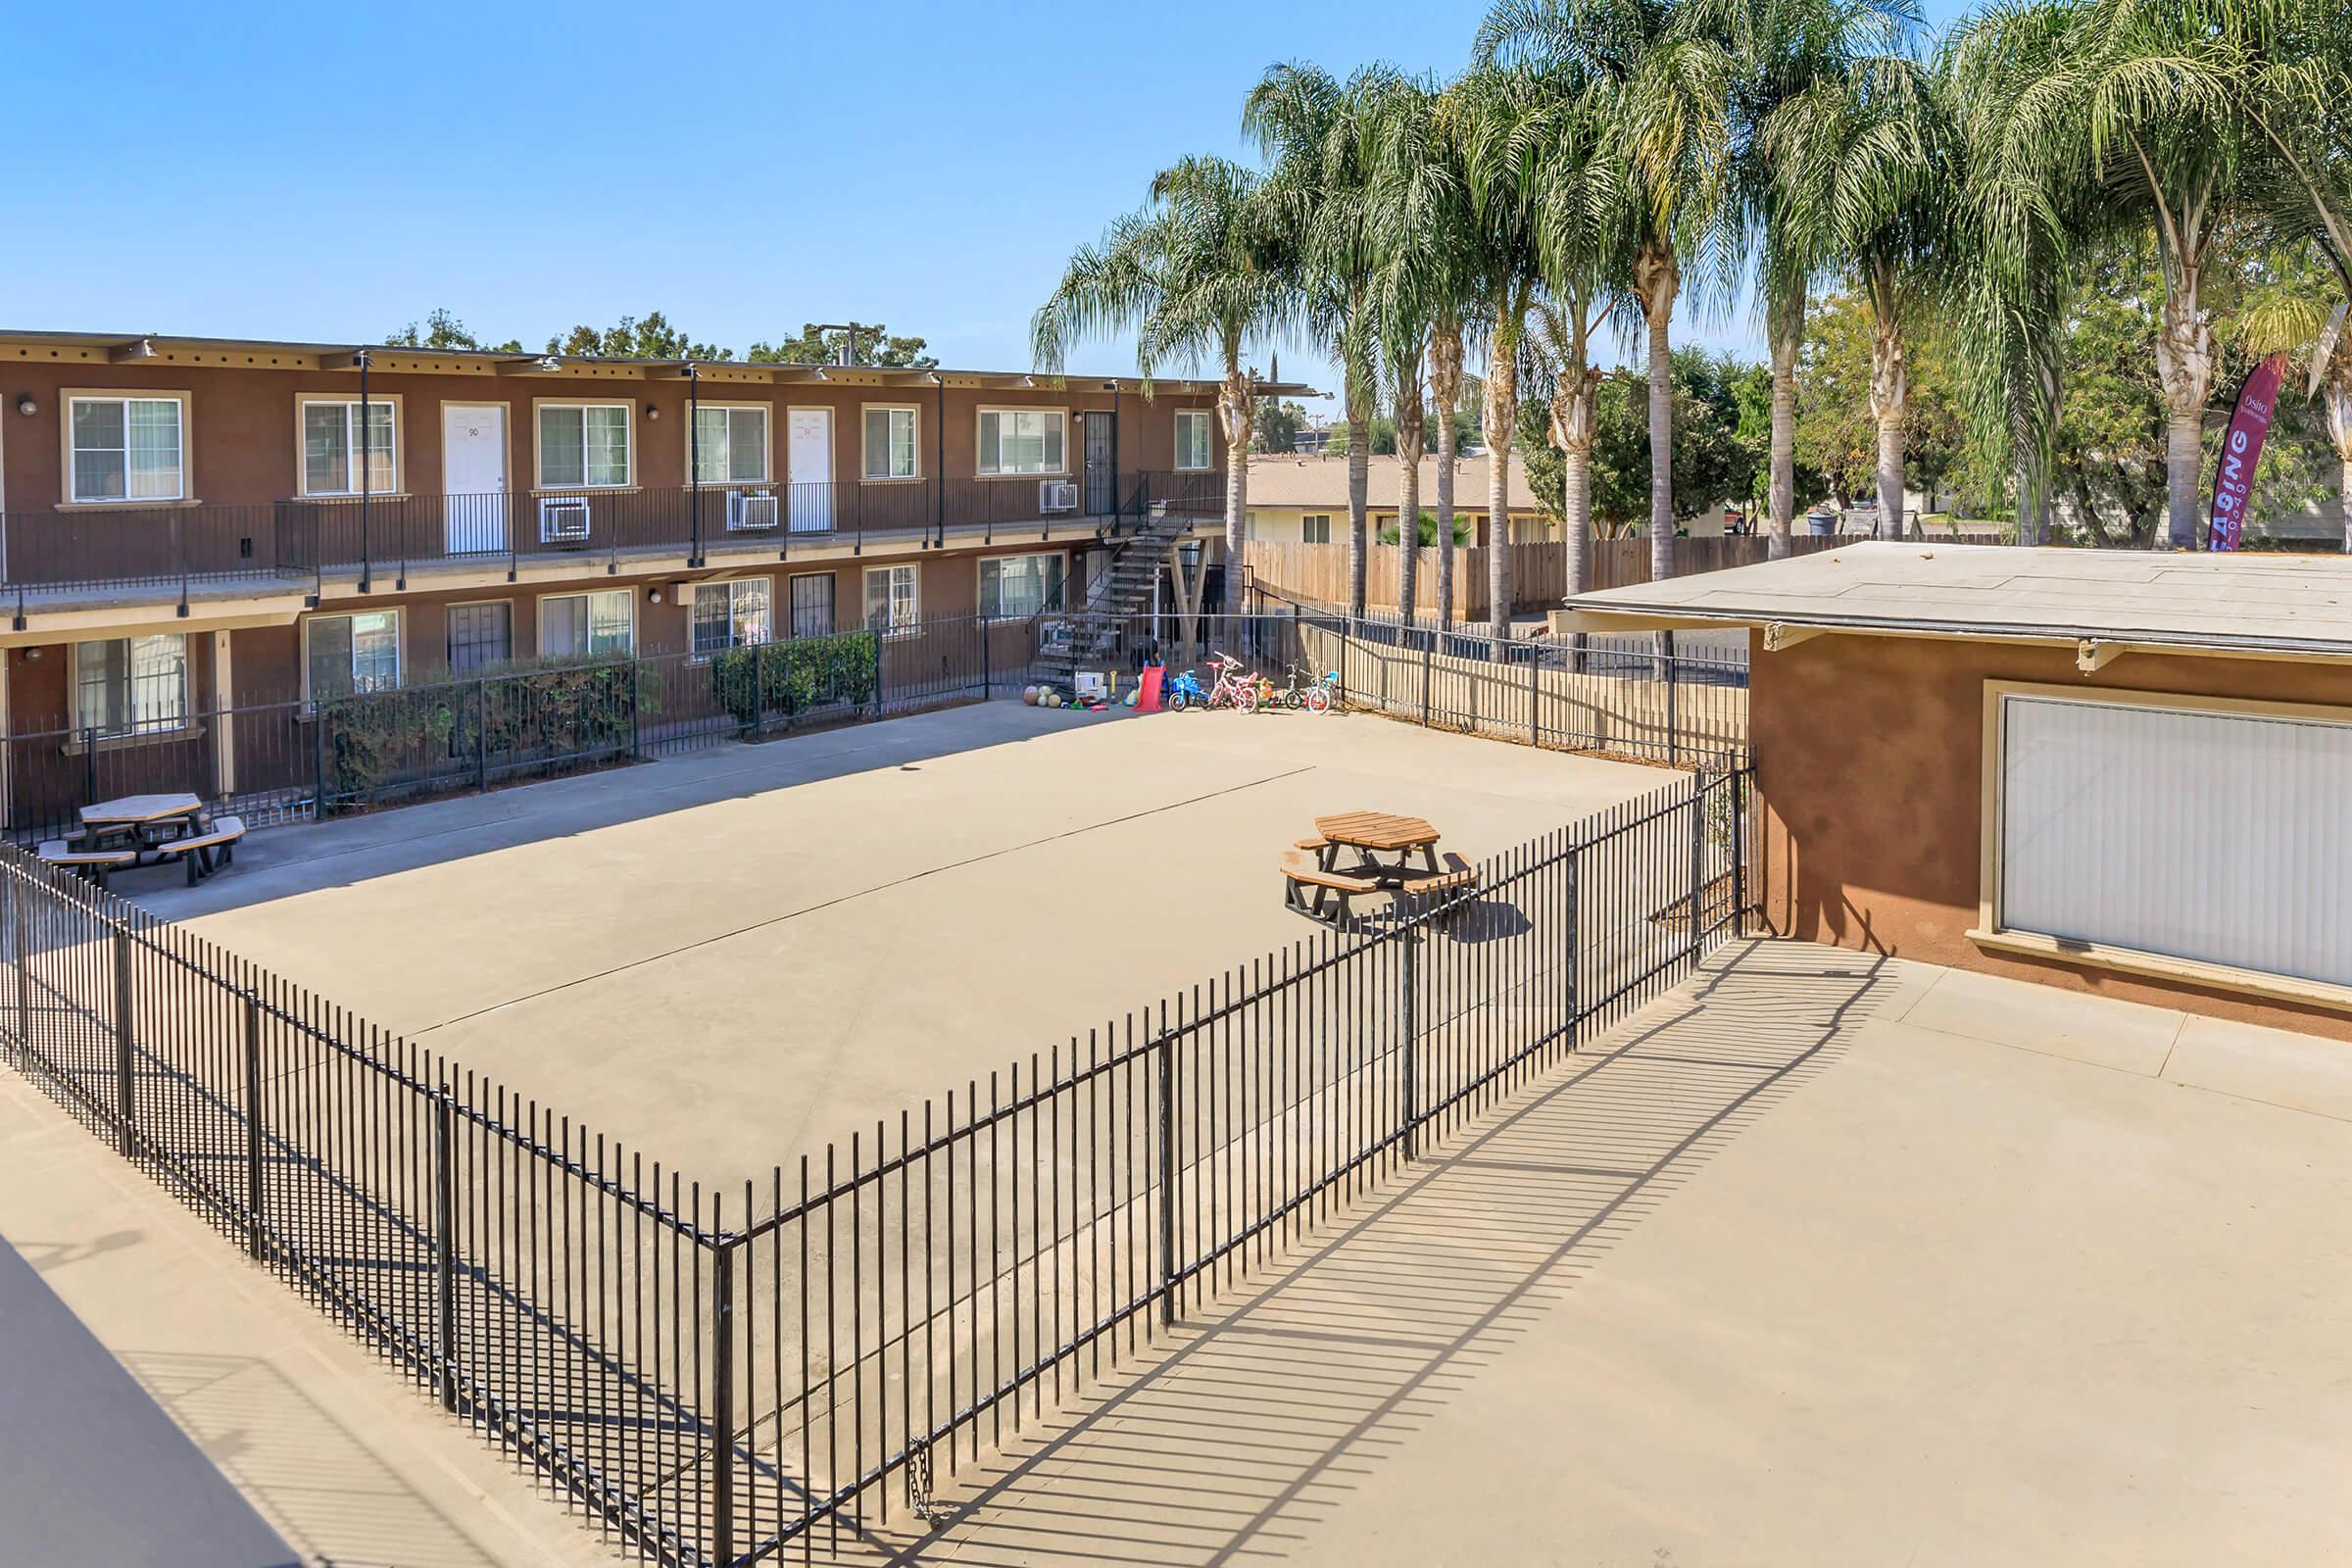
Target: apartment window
[(572, 625), (1193, 447), (332, 439), (1020, 585), (891, 605), (730, 446), (351, 653), (1315, 528), (583, 446), (730, 614), (128, 449), (1021, 440), (812, 600), (890, 444), (480, 635), (131, 684)]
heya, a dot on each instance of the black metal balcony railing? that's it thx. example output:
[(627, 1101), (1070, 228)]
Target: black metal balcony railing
[(151, 552)]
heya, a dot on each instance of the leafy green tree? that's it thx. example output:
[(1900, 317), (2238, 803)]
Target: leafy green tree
[(443, 330), (1839, 433), (1279, 423), (875, 346), (651, 337)]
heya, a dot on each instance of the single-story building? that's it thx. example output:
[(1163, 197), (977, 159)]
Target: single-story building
[(2118, 772)]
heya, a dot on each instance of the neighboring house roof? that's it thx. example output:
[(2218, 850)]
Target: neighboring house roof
[(156, 349), (2296, 606), (1288, 479)]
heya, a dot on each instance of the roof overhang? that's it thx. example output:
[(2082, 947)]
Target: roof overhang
[(2095, 648), (265, 354)]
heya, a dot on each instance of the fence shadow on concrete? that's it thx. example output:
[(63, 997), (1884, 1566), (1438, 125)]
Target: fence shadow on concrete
[(1262, 1415)]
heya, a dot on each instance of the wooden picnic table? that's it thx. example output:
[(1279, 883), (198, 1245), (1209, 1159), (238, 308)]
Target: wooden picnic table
[(1374, 834), (141, 811)]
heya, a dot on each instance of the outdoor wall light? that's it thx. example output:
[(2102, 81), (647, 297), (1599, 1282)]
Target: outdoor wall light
[(653, 596), (27, 407)]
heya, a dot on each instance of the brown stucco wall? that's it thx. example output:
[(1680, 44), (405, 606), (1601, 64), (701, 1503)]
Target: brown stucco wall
[(1869, 761), (242, 445)]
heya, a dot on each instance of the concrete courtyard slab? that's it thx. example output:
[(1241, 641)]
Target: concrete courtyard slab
[(1771, 1275), (727, 960)]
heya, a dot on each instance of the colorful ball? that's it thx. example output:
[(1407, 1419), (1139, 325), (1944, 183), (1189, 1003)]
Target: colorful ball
[(1029, 695)]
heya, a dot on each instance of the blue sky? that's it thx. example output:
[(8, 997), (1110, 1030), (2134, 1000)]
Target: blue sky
[(333, 172)]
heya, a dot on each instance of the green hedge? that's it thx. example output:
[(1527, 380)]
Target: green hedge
[(778, 680), (533, 713)]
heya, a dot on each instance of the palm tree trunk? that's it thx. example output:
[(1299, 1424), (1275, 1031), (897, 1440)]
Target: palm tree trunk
[(1359, 459), (2339, 431), (2184, 364), (2184, 456), (1889, 395), (1237, 409), (1408, 489), (1787, 329), (1409, 522), (1574, 412), (1502, 424), (1661, 451), (1445, 391)]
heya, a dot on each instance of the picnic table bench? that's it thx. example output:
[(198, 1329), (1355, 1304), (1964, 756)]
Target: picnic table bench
[(1321, 890), (145, 830)]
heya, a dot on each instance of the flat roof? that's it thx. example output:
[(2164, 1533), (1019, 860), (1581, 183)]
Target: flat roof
[(2295, 606), (266, 354)]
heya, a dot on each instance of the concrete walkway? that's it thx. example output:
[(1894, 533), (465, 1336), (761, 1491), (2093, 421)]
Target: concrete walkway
[(1822, 1261)]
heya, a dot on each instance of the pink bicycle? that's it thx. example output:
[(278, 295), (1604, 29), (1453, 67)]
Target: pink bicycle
[(1232, 688)]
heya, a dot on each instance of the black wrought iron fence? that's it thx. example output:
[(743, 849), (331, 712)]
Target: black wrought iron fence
[(715, 1377), (292, 757)]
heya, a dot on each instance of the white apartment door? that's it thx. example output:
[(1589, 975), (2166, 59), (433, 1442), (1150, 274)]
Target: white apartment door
[(809, 451), (473, 476)]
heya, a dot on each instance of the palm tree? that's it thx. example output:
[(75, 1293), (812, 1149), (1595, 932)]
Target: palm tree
[(1861, 166), (1494, 115), (1788, 52), (1310, 129), (1587, 225), (1190, 276), (2145, 103), (1415, 206), (1663, 80)]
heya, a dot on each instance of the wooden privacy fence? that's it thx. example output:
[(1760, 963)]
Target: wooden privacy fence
[(1318, 573)]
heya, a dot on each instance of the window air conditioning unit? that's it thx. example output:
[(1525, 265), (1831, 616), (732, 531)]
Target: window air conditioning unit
[(562, 519), (751, 509), (1058, 495)]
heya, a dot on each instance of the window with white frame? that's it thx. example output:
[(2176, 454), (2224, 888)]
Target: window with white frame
[(890, 444), (575, 625), (1315, 528), (332, 441), (128, 449), (1021, 440), (131, 684), (1193, 449), (351, 653), (1020, 585), (891, 603), (730, 445), (730, 614), (583, 446)]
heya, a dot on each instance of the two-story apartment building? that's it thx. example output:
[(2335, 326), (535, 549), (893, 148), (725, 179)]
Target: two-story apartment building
[(192, 524)]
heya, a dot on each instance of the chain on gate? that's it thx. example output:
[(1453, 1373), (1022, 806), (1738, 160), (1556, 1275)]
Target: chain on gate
[(919, 1500)]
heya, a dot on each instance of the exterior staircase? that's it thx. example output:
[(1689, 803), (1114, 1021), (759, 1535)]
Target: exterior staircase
[(1139, 548)]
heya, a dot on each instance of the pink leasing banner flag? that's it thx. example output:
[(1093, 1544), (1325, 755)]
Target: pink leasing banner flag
[(2241, 450)]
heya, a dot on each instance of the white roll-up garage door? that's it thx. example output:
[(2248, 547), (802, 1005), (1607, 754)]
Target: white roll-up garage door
[(2208, 835)]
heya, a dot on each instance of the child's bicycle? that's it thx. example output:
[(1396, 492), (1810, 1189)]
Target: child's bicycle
[(1184, 690), (1317, 696), (1232, 688)]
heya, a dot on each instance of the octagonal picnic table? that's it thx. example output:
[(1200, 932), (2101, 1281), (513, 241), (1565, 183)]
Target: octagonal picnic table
[(1374, 834)]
